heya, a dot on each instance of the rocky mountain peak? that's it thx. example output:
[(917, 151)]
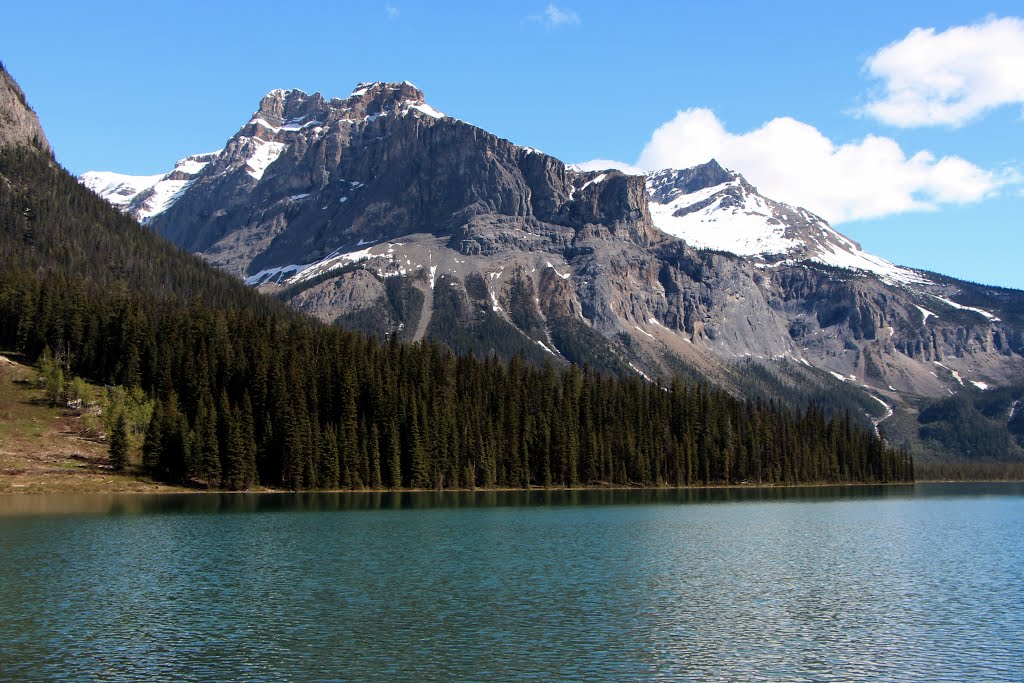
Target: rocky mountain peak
[(283, 104), (387, 92), (375, 99), (19, 125), (289, 110), (665, 185), (713, 208)]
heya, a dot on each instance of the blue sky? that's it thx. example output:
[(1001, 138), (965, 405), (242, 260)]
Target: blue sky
[(909, 140)]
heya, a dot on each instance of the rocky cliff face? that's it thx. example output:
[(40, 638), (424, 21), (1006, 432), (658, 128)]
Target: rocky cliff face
[(19, 125), (380, 212)]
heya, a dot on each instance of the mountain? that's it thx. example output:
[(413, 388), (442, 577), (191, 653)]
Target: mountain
[(379, 212), (710, 207), (226, 387)]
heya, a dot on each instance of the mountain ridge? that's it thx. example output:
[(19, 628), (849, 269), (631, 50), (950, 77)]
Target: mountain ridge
[(371, 203)]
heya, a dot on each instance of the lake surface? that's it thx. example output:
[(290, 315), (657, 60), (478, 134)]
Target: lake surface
[(909, 583)]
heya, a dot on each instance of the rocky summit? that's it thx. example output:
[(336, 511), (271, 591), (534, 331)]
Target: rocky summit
[(379, 212), (18, 123)]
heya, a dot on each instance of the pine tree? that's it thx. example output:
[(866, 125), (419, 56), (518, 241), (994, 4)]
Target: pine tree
[(119, 444), (205, 444), (152, 446)]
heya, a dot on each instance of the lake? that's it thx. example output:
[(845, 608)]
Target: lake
[(901, 583)]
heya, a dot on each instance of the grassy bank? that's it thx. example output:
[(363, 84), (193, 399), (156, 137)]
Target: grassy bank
[(49, 449)]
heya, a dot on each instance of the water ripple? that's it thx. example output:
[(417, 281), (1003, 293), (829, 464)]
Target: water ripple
[(893, 588)]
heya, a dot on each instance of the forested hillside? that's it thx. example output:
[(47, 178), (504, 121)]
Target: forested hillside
[(246, 391)]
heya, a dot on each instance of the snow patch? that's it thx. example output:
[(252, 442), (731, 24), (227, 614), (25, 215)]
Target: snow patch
[(730, 217), (924, 312), (961, 307), (273, 274), (980, 385), (292, 125), (566, 276), (722, 226), (425, 108), (641, 373), (888, 413), (122, 190), (295, 273), (264, 155), (956, 375), (117, 188), (594, 181)]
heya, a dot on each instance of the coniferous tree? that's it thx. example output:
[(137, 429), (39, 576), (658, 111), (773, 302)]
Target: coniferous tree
[(119, 444), (153, 444), (205, 444)]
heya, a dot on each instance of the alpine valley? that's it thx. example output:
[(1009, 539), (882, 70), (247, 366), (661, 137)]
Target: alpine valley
[(378, 212)]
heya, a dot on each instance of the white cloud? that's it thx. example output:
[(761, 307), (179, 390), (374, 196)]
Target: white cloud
[(392, 11), (605, 164), (555, 16), (949, 78), (795, 163)]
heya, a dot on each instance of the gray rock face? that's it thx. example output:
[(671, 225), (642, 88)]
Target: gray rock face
[(359, 209), (307, 176), (19, 125)]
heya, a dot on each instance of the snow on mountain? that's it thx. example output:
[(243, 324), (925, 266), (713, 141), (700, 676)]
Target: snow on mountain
[(147, 196), (300, 272), (265, 154), (117, 188), (309, 194), (283, 117), (713, 208)]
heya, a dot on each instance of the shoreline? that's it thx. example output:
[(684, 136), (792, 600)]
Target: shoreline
[(149, 487)]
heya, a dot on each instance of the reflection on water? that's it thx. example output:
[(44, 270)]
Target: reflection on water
[(914, 583), (198, 503)]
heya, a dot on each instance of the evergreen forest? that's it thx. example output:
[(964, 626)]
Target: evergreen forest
[(247, 392)]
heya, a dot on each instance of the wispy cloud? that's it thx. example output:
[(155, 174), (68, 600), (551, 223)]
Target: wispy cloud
[(392, 11), (555, 16), (949, 77), (794, 162)]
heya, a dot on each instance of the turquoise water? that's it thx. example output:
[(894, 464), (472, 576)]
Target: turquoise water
[(915, 583)]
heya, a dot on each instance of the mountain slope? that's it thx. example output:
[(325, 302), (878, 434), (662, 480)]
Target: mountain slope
[(244, 391), (378, 212)]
